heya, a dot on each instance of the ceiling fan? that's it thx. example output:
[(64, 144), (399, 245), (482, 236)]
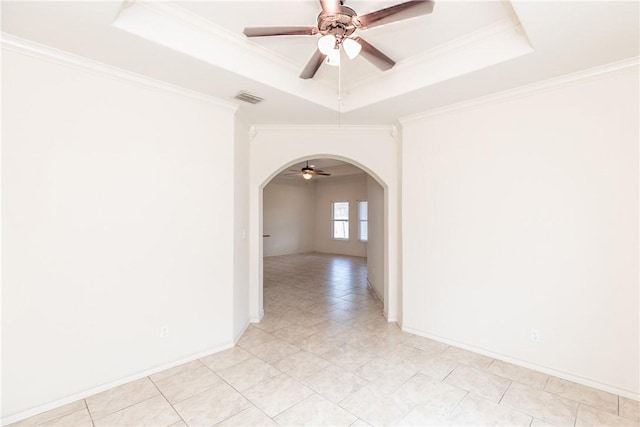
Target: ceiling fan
[(336, 24), (307, 172)]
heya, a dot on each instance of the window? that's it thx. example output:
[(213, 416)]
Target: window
[(363, 221), (341, 220)]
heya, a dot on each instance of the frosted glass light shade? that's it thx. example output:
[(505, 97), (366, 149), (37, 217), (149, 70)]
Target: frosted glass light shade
[(333, 58), (326, 43), (351, 48), (306, 175)]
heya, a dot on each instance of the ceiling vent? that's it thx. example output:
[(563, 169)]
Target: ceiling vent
[(247, 97)]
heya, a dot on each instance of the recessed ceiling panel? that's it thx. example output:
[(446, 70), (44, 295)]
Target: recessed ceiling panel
[(456, 38)]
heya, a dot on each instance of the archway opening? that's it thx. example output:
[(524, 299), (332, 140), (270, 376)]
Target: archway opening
[(323, 241), (386, 273)]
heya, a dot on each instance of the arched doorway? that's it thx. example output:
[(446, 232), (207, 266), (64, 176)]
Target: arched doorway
[(372, 149)]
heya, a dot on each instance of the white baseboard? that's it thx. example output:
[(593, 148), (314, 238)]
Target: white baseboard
[(375, 292), (90, 392), (544, 369), (257, 319), (237, 337), (384, 312)]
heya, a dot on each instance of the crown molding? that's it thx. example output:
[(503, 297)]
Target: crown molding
[(388, 129), (428, 56), (179, 29), (626, 65), (176, 12), (40, 51)]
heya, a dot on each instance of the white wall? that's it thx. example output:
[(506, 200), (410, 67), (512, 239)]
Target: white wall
[(339, 189), (373, 149), (241, 227), (289, 216), (375, 244), (117, 219), (524, 214)]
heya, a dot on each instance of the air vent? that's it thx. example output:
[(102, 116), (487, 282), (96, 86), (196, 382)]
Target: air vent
[(247, 97)]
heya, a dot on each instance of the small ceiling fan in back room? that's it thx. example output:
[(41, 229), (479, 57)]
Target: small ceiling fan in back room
[(307, 172), (337, 23)]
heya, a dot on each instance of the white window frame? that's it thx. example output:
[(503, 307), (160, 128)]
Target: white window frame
[(334, 220), (361, 221)]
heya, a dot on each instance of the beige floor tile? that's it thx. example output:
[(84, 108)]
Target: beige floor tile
[(388, 375), (377, 407), (248, 373), (476, 411), (588, 416), (426, 344), (434, 365), (540, 423), (151, 412), (481, 383), (518, 374), (629, 408), (335, 383), (540, 404), (79, 418), (301, 364), (274, 350), (467, 357), (315, 411), (360, 423), (427, 391), (318, 343), (348, 356), (271, 323), (340, 315), (277, 394), (251, 416), (397, 353), (188, 383), (309, 319), (254, 337), (583, 394), (179, 424), (212, 406), (226, 358), (58, 412), (295, 332), (175, 370), (423, 416), (110, 401)]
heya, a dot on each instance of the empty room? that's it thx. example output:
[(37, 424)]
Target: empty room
[(320, 212)]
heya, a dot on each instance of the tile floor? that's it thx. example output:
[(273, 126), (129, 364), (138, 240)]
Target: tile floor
[(324, 355)]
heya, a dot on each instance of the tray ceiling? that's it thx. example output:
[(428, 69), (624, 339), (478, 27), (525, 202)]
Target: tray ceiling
[(464, 50)]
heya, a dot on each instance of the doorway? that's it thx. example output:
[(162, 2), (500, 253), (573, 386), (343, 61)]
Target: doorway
[(326, 206), (374, 150)]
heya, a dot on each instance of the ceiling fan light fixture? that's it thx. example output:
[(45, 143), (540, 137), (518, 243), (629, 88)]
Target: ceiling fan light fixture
[(333, 58), (306, 175), (351, 48), (327, 43)]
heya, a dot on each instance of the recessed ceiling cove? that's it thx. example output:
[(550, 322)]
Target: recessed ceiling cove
[(455, 39)]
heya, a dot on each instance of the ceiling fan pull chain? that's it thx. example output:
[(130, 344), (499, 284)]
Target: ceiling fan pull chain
[(339, 92)]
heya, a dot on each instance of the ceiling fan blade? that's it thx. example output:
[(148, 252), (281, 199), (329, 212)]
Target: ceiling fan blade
[(395, 13), (374, 56), (330, 6), (291, 174), (279, 31), (323, 173), (312, 66)]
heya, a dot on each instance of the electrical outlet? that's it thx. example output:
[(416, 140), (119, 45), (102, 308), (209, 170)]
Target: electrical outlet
[(534, 335), (163, 332)]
